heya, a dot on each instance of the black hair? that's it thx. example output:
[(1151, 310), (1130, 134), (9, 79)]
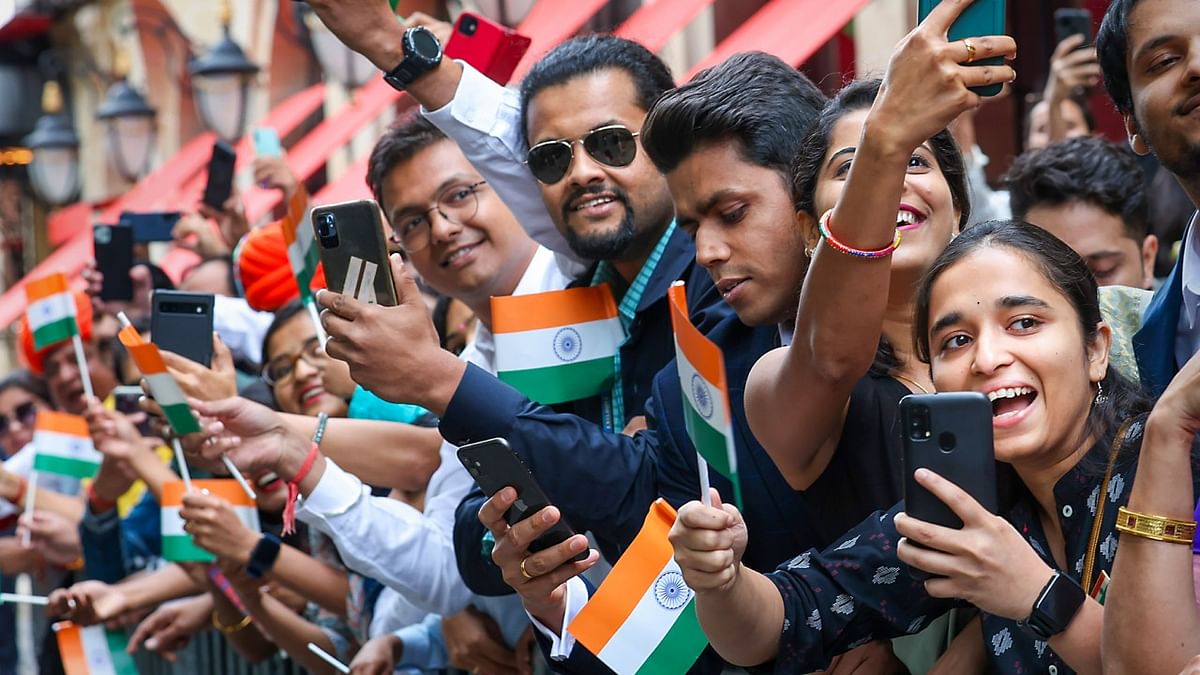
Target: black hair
[(282, 316), (1080, 102), (591, 54), (754, 99), (405, 138), (1066, 271), (1087, 170), (26, 381), (1112, 50)]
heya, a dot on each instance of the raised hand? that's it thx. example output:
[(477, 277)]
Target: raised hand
[(255, 437), (369, 27), (195, 233), (274, 173), (87, 602), (1072, 68), (54, 536), (206, 384), (216, 528), (709, 542)]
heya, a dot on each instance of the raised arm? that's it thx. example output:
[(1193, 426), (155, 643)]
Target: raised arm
[(401, 456)]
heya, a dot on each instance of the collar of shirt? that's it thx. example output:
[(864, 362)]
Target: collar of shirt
[(1190, 251), (627, 308)]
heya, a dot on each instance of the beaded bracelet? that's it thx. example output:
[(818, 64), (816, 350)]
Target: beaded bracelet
[(823, 225), (1158, 528)]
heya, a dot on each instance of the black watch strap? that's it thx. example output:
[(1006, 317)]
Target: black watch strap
[(264, 555), (1056, 605), (422, 53)]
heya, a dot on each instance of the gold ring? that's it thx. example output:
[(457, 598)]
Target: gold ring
[(525, 574), (970, 50)]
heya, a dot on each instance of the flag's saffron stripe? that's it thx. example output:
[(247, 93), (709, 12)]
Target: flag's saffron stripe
[(559, 384), (224, 488), (702, 353), (62, 423), (516, 313), (44, 287)]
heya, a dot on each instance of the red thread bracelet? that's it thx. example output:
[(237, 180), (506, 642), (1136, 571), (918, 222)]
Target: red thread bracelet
[(293, 488)]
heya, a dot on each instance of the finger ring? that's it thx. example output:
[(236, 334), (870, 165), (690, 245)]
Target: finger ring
[(970, 50), (525, 573), (71, 605)]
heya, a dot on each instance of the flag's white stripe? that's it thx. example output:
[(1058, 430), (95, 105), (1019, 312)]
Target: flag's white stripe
[(66, 445), (642, 631), (50, 309), (718, 418), (303, 240), (95, 651), (166, 391), (172, 524), (528, 349)]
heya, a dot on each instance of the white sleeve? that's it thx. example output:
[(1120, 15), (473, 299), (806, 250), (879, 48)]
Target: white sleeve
[(562, 643), (407, 550), (484, 118)]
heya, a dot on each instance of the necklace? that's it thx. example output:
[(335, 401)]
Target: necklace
[(902, 378)]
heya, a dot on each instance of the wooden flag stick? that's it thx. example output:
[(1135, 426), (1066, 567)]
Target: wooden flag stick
[(328, 658)]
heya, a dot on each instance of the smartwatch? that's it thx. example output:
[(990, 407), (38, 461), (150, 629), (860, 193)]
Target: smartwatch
[(422, 53), (1056, 605), (263, 557)]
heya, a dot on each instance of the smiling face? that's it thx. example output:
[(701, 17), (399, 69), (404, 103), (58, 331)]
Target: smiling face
[(927, 215), (304, 391), (1164, 77), (1000, 327), (746, 230), (605, 212)]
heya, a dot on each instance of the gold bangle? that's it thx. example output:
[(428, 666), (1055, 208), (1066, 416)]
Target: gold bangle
[(233, 627), (1158, 528)]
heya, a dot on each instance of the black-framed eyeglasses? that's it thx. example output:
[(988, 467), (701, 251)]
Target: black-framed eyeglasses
[(25, 414), (613, 145), (280, 368), (458, 204)]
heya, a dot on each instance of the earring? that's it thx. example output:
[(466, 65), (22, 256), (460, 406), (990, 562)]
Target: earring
[(1101, 397), (808, 251)]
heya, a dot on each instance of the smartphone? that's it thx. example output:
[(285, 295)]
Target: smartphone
[(981, 18), (266, 142), (1070, 21), (219, 185), (495, 466), (151, 226), (951, 435), (493, 49), (182, 322), (114, 259), (353, 249)]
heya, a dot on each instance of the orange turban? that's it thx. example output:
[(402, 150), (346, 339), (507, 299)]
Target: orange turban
[(83, 318), (264, 272)]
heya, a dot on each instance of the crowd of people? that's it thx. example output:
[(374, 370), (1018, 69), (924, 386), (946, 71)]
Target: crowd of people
[(842, 253)]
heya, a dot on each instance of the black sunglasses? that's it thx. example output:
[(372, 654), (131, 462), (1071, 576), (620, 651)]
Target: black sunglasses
[(613, 145), (26, 414)]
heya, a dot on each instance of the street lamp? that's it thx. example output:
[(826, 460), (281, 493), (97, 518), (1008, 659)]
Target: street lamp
[(339, 63), (131, 131), (54, 169), (221, 84)]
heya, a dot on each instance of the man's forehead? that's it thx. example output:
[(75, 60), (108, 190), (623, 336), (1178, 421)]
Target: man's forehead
[(590, 100)]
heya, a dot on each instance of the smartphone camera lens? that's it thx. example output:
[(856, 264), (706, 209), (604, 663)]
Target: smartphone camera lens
[(918, 423), (327, 230), (468, 26)]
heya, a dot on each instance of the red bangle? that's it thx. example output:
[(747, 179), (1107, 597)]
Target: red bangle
[(840, 247), (293, 488)]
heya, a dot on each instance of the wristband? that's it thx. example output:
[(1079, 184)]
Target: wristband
[(97, 503), (1158, 528), (293, 489), (837, 245), (263, 557)]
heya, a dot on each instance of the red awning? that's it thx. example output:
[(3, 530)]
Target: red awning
[(654, 23), (352, 184)]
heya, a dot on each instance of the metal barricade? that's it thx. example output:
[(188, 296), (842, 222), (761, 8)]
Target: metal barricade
[(209, 654)]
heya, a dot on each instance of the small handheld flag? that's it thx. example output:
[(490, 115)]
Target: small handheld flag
[(52, 320), (63, 445), (178, 545), (303, 256), (706, 408), (642, 620), (557, 346), (92, 650)]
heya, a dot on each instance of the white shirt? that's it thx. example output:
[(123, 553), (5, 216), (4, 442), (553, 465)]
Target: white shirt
[(406, 549), (484, 119), (1187, 334)]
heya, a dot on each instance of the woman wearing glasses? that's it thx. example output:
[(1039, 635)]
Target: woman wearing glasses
[(22, 396)]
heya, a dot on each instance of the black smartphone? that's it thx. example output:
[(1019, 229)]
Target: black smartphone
[(951, 435), (220, 175), (182, 322), (114, 259), (353, 249), (151, 226), (494, 466), (1070, 21), (981, 18)]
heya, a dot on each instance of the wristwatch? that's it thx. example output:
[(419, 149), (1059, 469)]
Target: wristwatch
[(422, 53), (263, 557), (1056, 605)]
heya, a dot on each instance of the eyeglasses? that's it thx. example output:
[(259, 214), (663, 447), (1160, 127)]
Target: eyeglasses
[(613, 145), (283, 366), (25, 414), (458, 204)]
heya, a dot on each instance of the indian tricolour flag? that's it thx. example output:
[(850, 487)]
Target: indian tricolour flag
[(51, 310), (643, 618), (163, 388), (177, 545), (706, 409), (301, 242), (92, 650), (63, 445), (557, 346)]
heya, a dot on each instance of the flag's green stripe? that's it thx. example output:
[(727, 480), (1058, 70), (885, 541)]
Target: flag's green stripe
[(709, 442), (680, 647), (66, 466), (559, 384), (54, 332), (117, 644), (183, 549), (180, 418)]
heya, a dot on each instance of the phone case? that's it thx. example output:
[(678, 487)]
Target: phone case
[(114, 259), (494, 466), (266, 142), (491, 48), (357, 263), (152, 226), (957, 446), (982, 17), (219, 184), (182, 323)]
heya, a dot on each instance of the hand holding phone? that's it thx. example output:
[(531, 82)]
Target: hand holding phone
[(981, 18), (353, 249), (182, 323), (266, 142), (1070, 21), (951, 435)]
